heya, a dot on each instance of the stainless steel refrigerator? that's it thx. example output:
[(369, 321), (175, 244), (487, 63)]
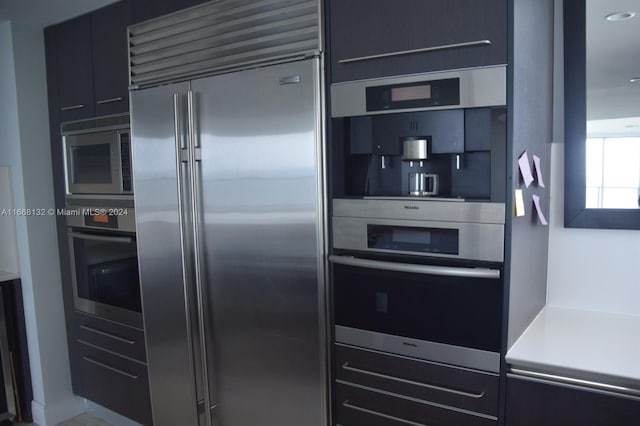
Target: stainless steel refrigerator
[(228, 178)]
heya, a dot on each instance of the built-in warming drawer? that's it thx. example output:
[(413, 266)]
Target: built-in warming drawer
[(359, 406), (111, 336), (112, 381), (417, 380)]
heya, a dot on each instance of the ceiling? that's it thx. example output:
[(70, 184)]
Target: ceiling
[(41, 13), (613, 58)]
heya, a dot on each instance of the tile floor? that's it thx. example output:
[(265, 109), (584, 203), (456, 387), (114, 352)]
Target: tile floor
[(85, 419)]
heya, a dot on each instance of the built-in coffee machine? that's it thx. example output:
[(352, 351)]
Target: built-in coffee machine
[(436, 135)]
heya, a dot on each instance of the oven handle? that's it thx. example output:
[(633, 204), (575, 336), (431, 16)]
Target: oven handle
[(105, 238), (450, 271)]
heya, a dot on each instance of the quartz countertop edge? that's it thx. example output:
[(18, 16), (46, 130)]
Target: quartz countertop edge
[(602, 347), (8, 276)]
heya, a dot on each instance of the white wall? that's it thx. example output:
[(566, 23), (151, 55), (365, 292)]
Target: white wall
[(25, 148), (592, 269)]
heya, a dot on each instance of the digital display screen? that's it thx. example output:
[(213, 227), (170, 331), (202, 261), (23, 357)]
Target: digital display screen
[(413, 236), (101, 218), (411, 93)]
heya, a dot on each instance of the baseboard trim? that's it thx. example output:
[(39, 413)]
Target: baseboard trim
[(54, 413)]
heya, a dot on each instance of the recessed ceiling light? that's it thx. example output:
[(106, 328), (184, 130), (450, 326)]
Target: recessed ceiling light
[(620, 16), (635, 80)]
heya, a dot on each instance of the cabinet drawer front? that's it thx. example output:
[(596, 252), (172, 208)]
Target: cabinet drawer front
[(456, 387), (361, 407), (114, 337), (533, 402), (375, 38), (114, 382)]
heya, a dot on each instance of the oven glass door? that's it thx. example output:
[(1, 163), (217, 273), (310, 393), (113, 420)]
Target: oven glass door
[(105, 276), (450, 305)]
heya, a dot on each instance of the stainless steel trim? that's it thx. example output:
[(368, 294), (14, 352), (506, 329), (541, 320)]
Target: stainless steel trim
[(479, 87), (573, 381), (198, 239), (430, 351), (476, 241), (322, 232), (98, 124), (106, 238), (420, 209), (448, 271), (379, 414), (108, 367), (347, 367), (107, 334), (72, 107), (5, 359), (108, 101), (421, 50), (221, 35)]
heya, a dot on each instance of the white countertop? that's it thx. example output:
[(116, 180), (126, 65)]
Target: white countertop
[(7, 276), (597, 346)]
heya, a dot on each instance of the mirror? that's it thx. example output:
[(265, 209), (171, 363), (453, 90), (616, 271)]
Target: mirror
[(602, 113)]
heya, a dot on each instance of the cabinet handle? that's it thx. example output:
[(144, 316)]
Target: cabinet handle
[(69, 108), (108, 367), (347, 367), (545, 377), (107, 101), (447, 271), (379, 414), (104, 333), (421, 50)]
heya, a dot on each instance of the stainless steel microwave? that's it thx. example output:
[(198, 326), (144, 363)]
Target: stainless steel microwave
[(98, 156)]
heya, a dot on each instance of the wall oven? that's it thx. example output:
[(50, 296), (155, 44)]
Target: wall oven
[(104, 261), (98, 156), (420, 278)]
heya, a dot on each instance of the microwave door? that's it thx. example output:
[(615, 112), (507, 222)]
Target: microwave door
[(93, 163)]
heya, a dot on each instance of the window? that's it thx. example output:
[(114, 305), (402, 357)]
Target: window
[(613, 173)]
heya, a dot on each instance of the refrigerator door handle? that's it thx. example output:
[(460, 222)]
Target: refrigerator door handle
[(186, 243), (196, 210)]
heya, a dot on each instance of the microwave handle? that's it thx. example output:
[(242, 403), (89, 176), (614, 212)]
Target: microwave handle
[(105, 238), (450, 271)]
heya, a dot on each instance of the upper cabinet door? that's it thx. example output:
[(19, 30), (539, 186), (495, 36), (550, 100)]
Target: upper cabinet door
[(148, 9), (376, 38), (110, 58), (75, 69)]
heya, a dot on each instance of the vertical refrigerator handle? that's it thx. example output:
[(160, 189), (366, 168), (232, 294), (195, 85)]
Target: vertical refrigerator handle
[(186, 243), (198, 237)]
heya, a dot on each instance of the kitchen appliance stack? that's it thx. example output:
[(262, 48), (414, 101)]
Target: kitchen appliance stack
[(417, 261)]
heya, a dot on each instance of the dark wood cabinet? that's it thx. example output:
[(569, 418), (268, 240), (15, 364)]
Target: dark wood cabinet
[(375, 388), (115, 382), (374, 38), (534, 403), (148, 9), (74, 69), (91, 63), (110, 58)]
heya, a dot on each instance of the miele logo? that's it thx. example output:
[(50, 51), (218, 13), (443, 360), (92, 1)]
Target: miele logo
[(413, 345), (412, 207)]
